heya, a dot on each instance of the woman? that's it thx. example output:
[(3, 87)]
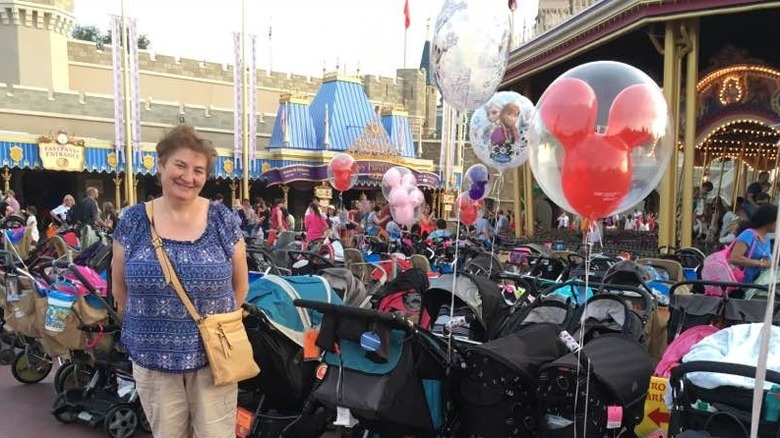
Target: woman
[(204, 243), (752, 250), (314, 222), (427, 221)]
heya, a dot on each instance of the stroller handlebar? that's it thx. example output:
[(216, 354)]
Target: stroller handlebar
[(100, 328), (735, 369), (722, 284), (393, 319)]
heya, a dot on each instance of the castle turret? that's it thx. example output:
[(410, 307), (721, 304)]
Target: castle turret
[(34, 42)]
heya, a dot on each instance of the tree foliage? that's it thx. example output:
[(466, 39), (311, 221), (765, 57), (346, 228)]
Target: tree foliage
[(93, 34)]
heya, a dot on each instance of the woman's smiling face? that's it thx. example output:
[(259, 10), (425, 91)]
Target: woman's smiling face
[(183, 174)]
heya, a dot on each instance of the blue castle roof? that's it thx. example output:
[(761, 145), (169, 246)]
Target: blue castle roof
[(293, 117), (397, 127), (348, 109)]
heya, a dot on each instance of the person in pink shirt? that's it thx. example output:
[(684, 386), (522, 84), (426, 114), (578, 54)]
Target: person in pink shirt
[(315, 223)]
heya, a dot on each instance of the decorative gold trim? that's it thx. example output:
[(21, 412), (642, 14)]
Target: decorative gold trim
[(295, 98), (373, 145), (52, 138)]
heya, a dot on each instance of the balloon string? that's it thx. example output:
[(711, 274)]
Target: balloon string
[(498, 187), (581, 340), (457, 239)]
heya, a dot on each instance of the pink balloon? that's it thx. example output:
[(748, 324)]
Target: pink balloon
[(404, 215), (392, 177), (398, 196), (409, 180), (417, 197)]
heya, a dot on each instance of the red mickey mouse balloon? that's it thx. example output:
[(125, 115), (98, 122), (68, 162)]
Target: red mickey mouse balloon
[(595, 162), (342, 172)]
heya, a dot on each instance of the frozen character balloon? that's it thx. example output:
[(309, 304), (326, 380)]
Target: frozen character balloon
[(505, 137), (498, 130)]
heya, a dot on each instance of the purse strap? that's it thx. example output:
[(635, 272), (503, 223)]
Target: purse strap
[(167, 268)]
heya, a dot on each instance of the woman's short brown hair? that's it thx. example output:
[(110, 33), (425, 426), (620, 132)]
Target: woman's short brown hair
[(184, 136)]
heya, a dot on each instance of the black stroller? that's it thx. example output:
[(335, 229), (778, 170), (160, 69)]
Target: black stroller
[(610, 372), (498, 389), (719, 412)]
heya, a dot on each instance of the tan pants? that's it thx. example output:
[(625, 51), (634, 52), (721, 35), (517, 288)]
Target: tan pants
[(186, 405)]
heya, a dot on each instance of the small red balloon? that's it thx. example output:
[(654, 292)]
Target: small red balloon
[(637, 115), (569, 108), (596, 175), (342, 171), (468, 209)]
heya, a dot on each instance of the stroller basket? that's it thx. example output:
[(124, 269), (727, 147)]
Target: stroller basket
[(388, 372)]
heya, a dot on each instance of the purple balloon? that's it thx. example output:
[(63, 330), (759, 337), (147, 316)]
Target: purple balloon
[(478, 173), (477, 191)]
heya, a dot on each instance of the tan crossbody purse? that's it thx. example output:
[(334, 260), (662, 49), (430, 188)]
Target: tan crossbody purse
[(224, 338)]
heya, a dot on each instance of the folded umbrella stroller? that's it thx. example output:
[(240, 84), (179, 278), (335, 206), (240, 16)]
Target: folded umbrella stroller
[(276, 329)]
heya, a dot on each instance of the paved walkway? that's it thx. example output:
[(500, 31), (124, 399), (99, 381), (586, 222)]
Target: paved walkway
[(25, 410)]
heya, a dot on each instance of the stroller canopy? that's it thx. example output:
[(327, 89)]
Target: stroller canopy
[(273, 295), (479, 293)]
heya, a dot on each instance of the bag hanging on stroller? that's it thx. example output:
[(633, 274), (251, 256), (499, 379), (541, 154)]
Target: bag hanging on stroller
[(386, 371), (497, 394), (587, 396)]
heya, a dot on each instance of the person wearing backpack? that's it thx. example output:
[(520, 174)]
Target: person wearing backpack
[(752, 249)]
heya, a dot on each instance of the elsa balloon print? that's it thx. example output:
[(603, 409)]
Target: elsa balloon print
[(498, 130)]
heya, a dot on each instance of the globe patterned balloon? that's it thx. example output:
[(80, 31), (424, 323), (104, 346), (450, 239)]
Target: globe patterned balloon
[(470, 49), (499, 130)]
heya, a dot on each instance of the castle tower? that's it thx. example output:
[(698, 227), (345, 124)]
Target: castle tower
[(414, 92), (34, 42)]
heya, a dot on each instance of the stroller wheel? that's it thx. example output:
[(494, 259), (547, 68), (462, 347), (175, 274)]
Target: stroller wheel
[(28, 371), (7, 356), (70, 376), (121, 421), (62, 411)]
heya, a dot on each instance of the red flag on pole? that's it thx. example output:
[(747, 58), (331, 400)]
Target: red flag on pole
[(407, 21)]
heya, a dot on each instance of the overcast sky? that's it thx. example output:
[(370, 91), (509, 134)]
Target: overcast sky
[(306, 33)]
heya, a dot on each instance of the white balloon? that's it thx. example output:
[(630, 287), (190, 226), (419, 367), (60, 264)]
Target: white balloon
[(470, 50), (499, 130)]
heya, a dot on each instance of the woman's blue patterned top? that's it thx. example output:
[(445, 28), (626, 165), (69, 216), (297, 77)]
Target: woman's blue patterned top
[(158, 333)]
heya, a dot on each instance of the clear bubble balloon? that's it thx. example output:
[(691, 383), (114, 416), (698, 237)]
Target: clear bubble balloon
[(342, 172), (469, 51), (600, 139), (499, 130), (395, 176), (406, 200), (476, 181), (469, 210)]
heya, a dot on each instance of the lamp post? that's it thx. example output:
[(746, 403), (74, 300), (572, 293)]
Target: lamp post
[(129, 168)]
